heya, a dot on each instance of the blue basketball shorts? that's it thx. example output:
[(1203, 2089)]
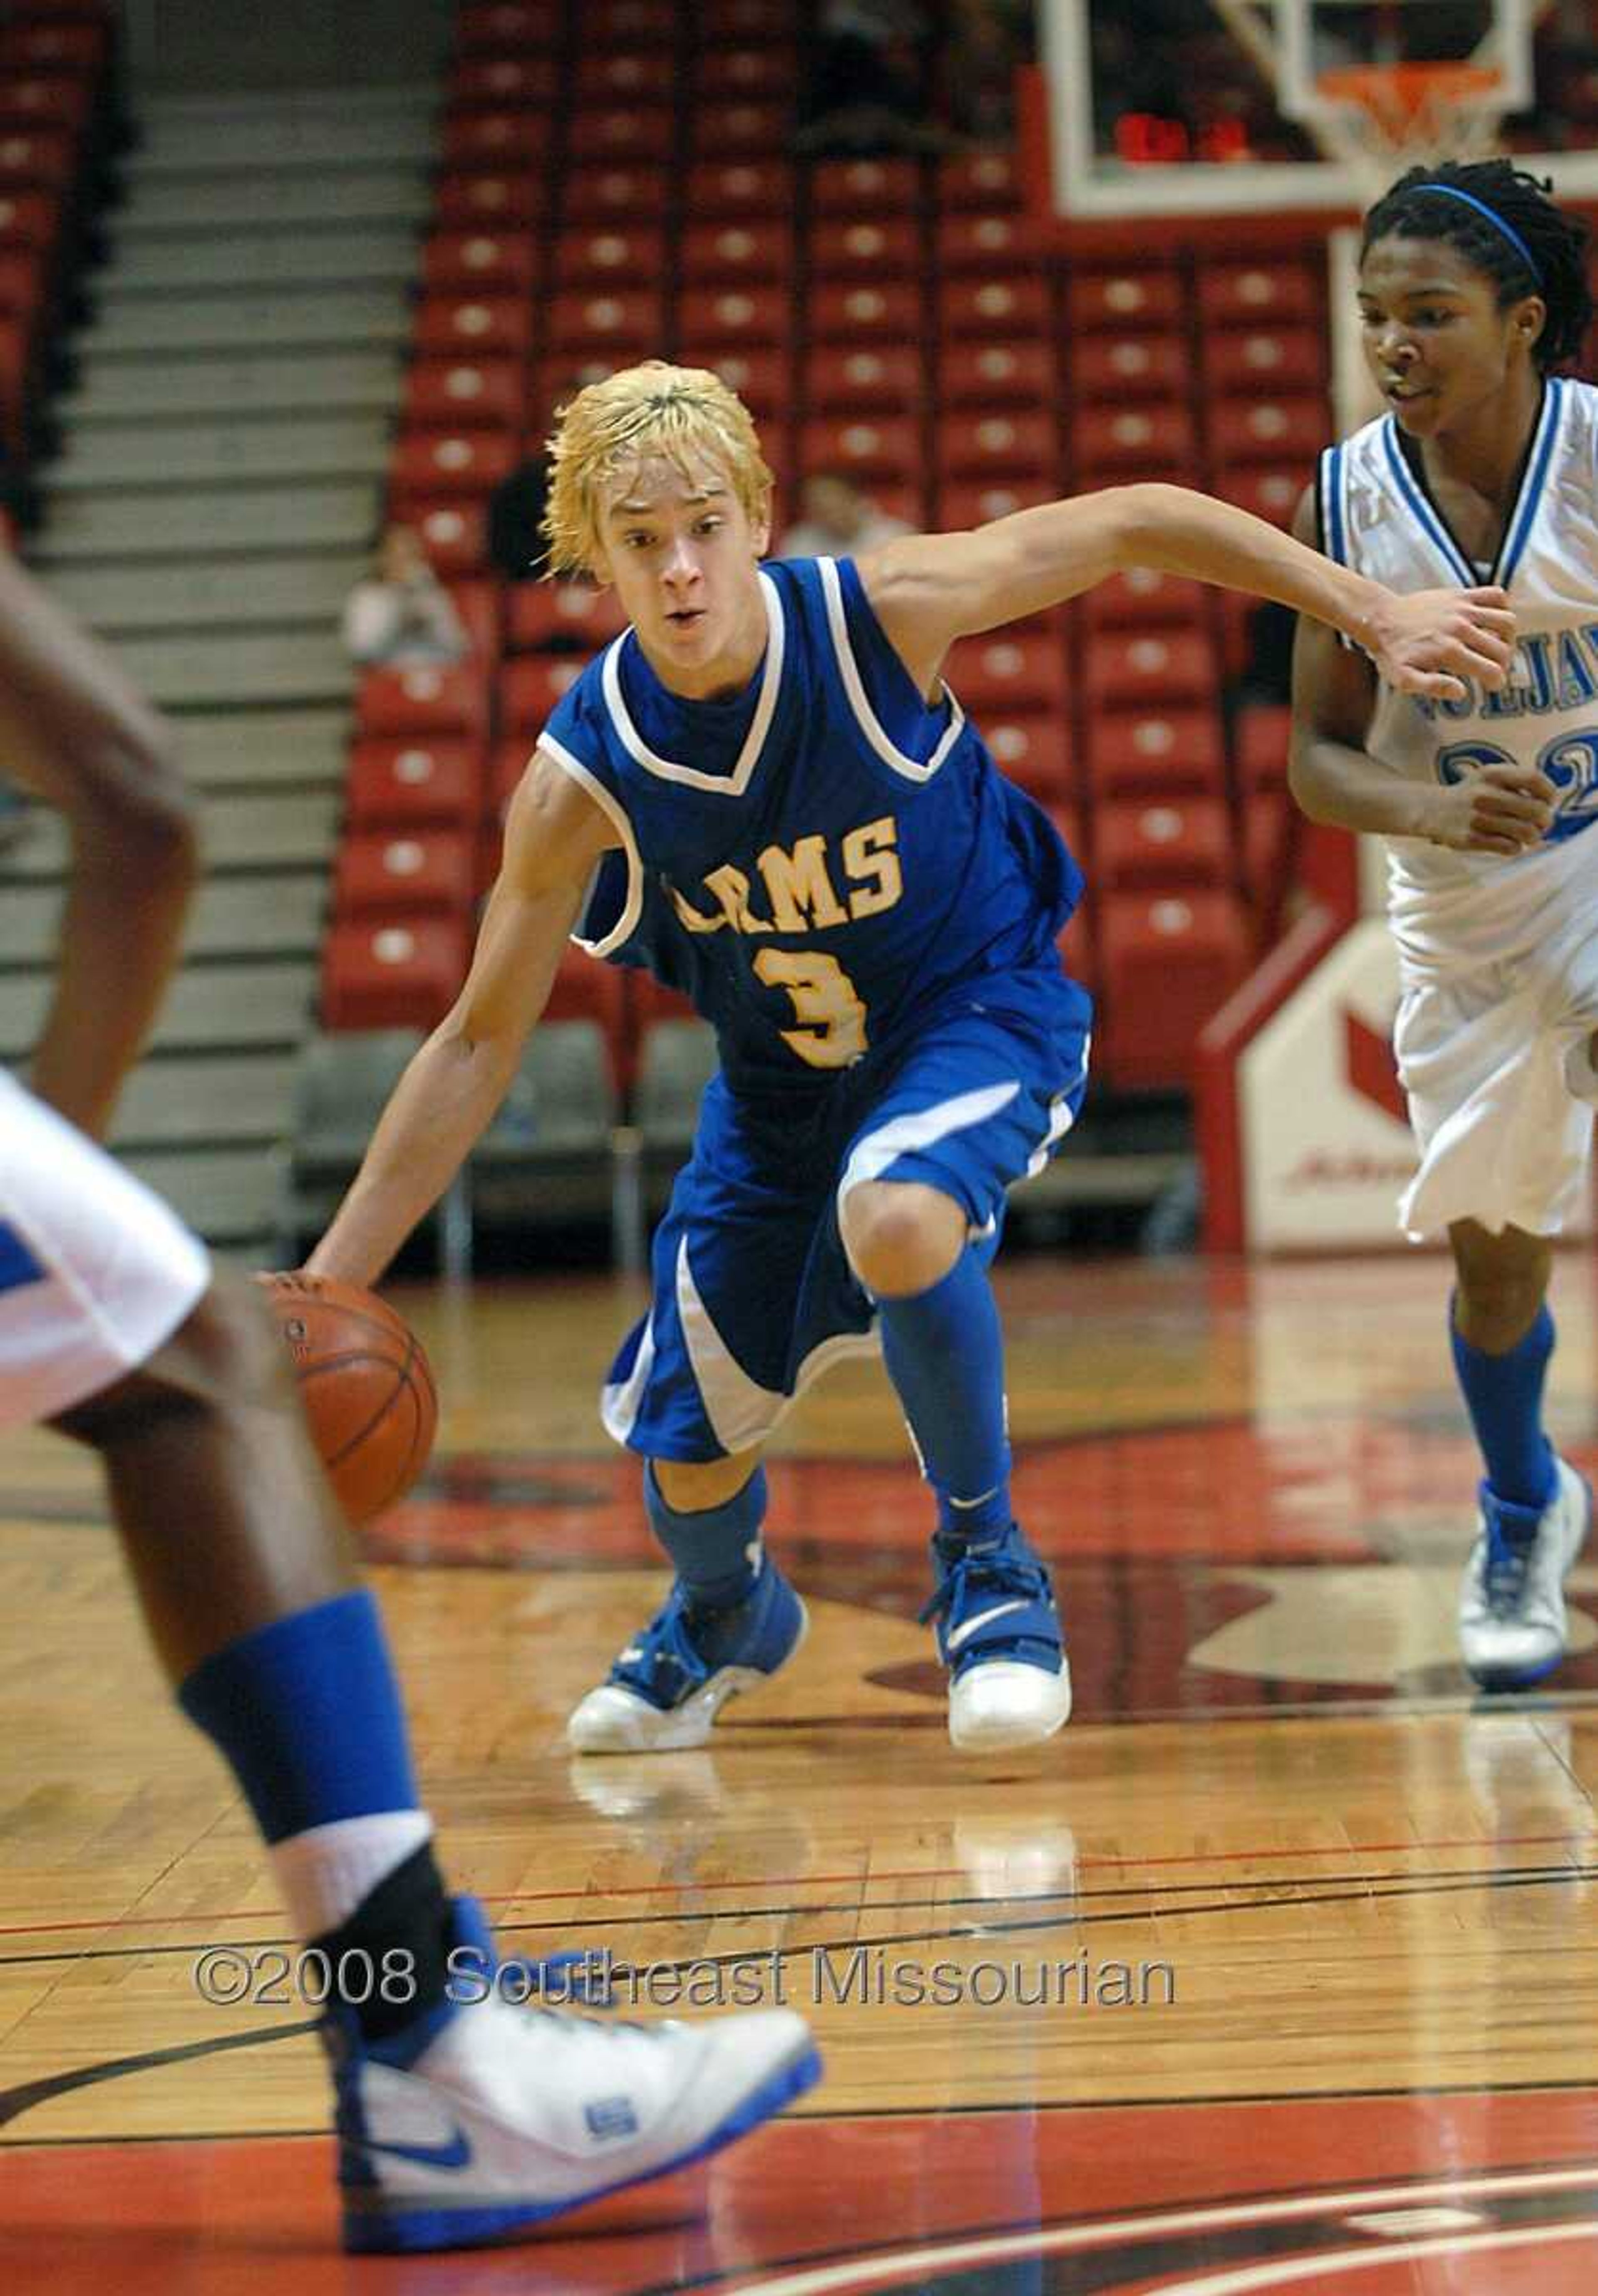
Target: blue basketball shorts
[(753, 1294)]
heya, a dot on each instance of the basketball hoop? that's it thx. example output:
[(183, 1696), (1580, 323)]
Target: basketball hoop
[(1417, 112)]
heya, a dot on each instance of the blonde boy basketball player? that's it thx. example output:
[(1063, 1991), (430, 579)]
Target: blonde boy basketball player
[(764, 794), (1472, 291)]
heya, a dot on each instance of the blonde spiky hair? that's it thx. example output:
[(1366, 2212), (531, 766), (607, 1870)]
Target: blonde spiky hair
[(652, 409)]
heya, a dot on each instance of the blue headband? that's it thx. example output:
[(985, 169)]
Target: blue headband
[(1508, 231)]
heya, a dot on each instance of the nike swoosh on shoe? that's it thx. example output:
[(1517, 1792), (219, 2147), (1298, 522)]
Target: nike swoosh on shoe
[(967, 1627)]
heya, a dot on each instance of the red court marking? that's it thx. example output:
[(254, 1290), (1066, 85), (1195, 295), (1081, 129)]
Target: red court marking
[(208, 2219)]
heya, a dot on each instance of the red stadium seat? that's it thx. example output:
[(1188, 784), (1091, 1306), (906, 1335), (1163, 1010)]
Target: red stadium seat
[(37, 160), (883, 380), (415, 784), (530, 686), (51, 51), (1257, 430), (731, 254), (632, 23), (476, 600), (964, 503), (612, 258), (870, 447), (1034, 752), (439, 463), (617, 198), (507, 27), (632, 75), (15, 337), (1264, 738), (623, 324), (748, 74), (481, 326), (740, 129), (842, 312), (1010, 673), (759, 377), (1258, 295), (620, 135), (978, 179), (1018, 374), (1170, 960), (1131, 366), (29, 221), (564, 615), (982, 305), (864, 187), (1269, 359), (499, 201), (21, 285), (735, 190), (1142, 669), (1077, 951), (993, 244), (486, 394), (481, 263), (1130, 752), (1269, 492), (45, 101), (445, 701), (734, 23), (1143, 600), (1164, 840), (1117, 302), (520, 83), (496, 142), (1152, 439), (998, 445), (861, 247), (419, 873), (456, 533), (736, 317), (393, 975)]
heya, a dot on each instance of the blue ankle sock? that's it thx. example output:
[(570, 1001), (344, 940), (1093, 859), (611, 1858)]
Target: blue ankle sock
[(945, 1355), (716, 1550), (307, 1712), (1504, 1397)]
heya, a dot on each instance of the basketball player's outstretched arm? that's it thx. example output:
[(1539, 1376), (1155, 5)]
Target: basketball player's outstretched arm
[(73, 732), (929, 589), (1335, 779), (446, 1099)]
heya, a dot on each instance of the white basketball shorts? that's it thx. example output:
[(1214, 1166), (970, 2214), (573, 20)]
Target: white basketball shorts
[(96, 1272), (1482, 1056)]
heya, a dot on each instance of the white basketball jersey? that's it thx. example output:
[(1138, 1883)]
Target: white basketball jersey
[(1377, 517)]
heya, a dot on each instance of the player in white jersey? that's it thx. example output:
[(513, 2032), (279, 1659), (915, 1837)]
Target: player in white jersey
[(461, 2117), (1472, 292)]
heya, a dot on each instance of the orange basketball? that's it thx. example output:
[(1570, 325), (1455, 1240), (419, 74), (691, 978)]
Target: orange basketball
[(366, 1387)]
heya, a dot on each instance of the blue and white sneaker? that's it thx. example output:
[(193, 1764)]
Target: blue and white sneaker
[(484, 2120), (1512, 1627), (669, 1684), (999, 1634)]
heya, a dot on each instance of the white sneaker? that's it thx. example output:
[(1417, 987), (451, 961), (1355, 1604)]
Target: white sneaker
[(1512, 1628), (662, 1694), (486, 2119), (999, 1634)]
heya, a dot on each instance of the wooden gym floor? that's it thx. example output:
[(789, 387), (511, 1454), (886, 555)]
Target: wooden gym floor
[(1278, 1969)]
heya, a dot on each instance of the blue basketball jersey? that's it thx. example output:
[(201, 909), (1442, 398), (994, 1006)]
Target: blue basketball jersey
[(818, 861)]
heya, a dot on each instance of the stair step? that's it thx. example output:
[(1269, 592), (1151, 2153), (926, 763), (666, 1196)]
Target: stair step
[(208, 1005), (196, 1100), (266, 916), (222, 749), (246, 263), (200, 454), (282, 829), (240, 199), (195, 595), (228, 1195), (242, 668), (284, 144), (137, 390), (346, 320), (158, 522)]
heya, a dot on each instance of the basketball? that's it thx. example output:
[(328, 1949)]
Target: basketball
[(366, 1386)]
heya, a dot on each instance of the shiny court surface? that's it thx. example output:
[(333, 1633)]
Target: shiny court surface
[(1276, 1970)]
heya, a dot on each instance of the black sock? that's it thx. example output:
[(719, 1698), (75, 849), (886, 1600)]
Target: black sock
[(407, 1913)]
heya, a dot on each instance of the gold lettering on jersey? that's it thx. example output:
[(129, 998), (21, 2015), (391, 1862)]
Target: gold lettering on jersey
[(731, 888), (869, 854), (695, 919), (800, 889)]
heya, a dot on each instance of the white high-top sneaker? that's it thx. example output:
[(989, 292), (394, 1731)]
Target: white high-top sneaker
[(484, 2119), (1511, 1606)]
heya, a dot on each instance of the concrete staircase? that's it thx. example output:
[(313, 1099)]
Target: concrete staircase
[(218, 487)]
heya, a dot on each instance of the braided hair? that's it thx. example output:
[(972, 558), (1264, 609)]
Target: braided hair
[(1535, 247)]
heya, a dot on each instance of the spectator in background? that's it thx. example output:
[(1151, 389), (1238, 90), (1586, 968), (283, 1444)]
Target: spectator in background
[(399, 615), (838, 521), (866, 91), (516, 546), (988, 41)]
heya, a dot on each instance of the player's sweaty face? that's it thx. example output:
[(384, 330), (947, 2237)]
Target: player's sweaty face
[(1435, 340), (681, 552)]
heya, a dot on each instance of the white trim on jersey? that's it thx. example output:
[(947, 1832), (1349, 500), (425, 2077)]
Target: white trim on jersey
[(619, 1405), (904, 1135), (870, 725), (613, 809), (731, 784)]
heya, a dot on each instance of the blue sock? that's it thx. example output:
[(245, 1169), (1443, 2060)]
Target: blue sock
[(945, 1355), (1504, 1397), (307, 1712), (716, 1550)]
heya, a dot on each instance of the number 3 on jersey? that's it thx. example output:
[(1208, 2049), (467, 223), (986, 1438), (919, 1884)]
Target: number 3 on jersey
[(831, 1030)]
